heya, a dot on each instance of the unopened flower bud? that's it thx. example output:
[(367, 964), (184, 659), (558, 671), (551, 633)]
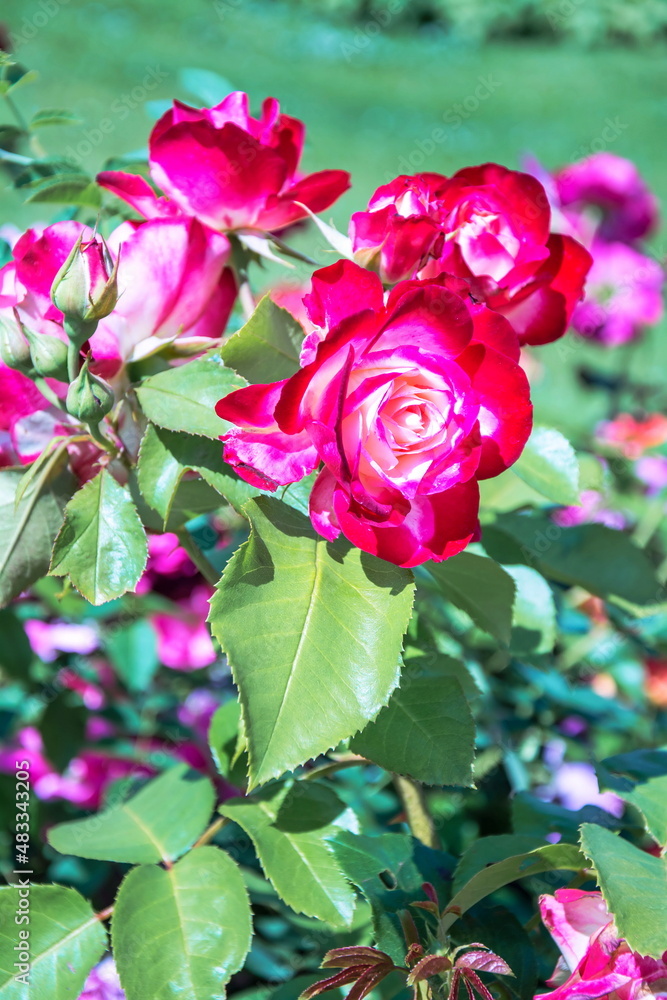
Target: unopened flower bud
[(85, 288), (48, 354), (14, 348), (89, 398)]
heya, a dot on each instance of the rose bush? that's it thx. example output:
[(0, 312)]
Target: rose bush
[(406, 403)]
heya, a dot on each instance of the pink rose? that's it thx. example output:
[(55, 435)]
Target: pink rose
[(613, 186), (599, 962), (487, 225), (229, 170), (403, 405), (103, 982), (623, 295), (183, 638)]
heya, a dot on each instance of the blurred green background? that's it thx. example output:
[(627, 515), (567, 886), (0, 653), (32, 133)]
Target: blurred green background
[(385, 87), (373, 87)]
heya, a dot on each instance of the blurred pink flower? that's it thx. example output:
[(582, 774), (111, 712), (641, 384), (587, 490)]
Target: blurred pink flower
[(184, 640), (591, 511), (575, 784), (197, 711), (48, 639), (103, 982), (633, 436)]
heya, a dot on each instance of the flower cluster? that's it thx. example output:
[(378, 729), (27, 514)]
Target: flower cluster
[(407, 397), (604, 202)]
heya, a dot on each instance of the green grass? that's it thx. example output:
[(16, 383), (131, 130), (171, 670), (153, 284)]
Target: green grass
[(367, 107)]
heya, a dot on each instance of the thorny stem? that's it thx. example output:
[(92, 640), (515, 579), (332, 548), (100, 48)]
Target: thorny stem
[(420, 821), (199, 559)]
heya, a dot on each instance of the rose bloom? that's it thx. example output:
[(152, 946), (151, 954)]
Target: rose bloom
[(614, 187), (624, 294), (487, 225), (403, 405), (230, 170), (600, 964)]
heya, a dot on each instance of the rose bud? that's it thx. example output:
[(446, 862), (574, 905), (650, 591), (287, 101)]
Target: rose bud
[(89, 397), (48, 354), (85, 288), (14, 348)]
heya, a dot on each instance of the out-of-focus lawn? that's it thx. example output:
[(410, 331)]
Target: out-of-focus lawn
[(375, 103), (370, 103)]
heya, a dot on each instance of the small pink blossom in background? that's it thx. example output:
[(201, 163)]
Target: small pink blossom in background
[(48, 639), (591, 511), (184, 640), (624, 295), (197, 711), (599, 963), (615, 188), (652, 471), (103, 982), (633, 436), (575, 784)]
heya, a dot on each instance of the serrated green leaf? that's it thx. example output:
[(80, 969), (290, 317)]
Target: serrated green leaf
[(267, 348), (650, 798), (321, 656), (426, 732), (184, 398), (481, 588), (53, 116), (534, 613), (160, 822), (181, 932), (227, 743), (592, 556), (552, 857), (634, 886), (549, 464), (28, 530), (165, 456), (289, 827), (102, 544), (66, 940), (65, 189)]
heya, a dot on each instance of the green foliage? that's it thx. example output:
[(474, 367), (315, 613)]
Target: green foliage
[(289, 825), (65, 941), (634, 885), (479, 587), (426, 731), (184, 398), (650, 799), (28, 529), (184, 930), (101, 545), (267, 348), (549, 465), (321, 657), (534, 613), (159, 823)]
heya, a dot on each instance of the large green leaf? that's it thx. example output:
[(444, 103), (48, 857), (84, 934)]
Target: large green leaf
[(481, 588), (426, 731), (164, 458), (289, 827), (548, 463), (534, 614), (184, 398), (267, 348), (591, 556), (160, 822), (650, 799), (181, 932), (634, 885), (490, 850), (552, 857), (102, 544), (313, 632), (66, 940), (28, 530)]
